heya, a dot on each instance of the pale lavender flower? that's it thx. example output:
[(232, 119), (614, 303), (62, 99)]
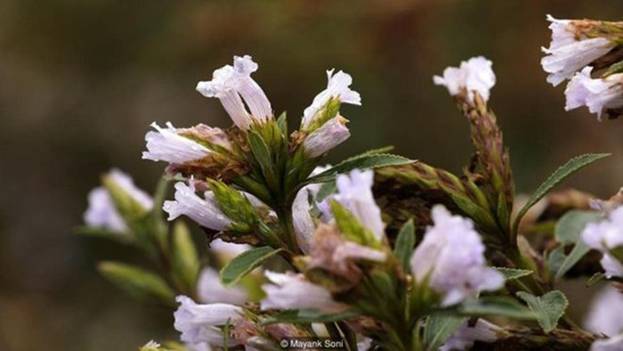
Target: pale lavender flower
[(234, 87), (570, 51), (474, 75), (465, 337), (451, 256), (338, 87), (598, 95), (354, 192), (604, 315), (166, 144), (227, 249), (303, 223), (198, 347), (204, 211), (605, 236), (102, 212), (201, 323), (292, 291), (612, 344), (331, 134), (211, 290)]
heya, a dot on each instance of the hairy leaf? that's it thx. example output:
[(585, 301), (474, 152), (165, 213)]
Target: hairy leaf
[(363, 161), (572, 166), (513, 273), (548, 308), (568, 231), (403, 248), (438, 329), (137, 281), (244, 263)]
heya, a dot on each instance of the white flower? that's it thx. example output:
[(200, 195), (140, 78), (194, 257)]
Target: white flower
[(354, 192), (474, 75), (612, 344), (604, 315), (331, 134), (452, 257), (102, 212), (569, 51), (211, 290), (203, 211), (201, 323), (165, 144), (338, 87), (598, 95), (605, 236), (233, 84), (464, 337), (227, 249), (292, 291), (150, 346), (303, 223)]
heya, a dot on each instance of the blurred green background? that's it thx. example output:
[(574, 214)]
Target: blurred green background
[(80, 82)]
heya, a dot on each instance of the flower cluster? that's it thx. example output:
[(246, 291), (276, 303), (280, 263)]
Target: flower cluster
[(378, 251), (578, 48)]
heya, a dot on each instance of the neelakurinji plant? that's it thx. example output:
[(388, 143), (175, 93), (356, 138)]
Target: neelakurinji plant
[(377, 252)]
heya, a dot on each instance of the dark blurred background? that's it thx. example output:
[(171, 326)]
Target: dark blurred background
[(80, 82)]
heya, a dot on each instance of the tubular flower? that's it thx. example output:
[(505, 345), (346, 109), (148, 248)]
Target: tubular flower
[(354, 192), (474, 75), (612, 344), (599, 95), (202, 323), (102, 212), (451, 257), (303, 223), (234, 87), (166, 144), (328, 136), (604, 315), (291, 291), (605, 236), (571, 49), (204, 211), (211, 290), (338, 87)]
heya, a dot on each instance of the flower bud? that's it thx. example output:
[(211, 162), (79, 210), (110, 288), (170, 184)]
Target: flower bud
[(328, 136)]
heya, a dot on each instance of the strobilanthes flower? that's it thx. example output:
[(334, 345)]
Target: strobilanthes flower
[(243, 99), (211, 290), (303, 223), (599, 95), (102, 212), (465, 337), (474, 75), (354, 192), (205, 211), (202, 323), (571, 48), (604, 315), (326, 128), (612, 344), (292, 291), (180, 146), (451, 258), (606, 236)]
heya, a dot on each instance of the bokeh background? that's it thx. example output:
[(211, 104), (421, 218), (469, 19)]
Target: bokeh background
[(80, 82)]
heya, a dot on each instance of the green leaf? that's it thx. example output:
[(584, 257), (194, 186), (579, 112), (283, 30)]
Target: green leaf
[(568, 231), (595, 278), (244, 263), (325, 190), (262, 155), (513, 273), (185, 259), (137, 282), (95, 232), (403, 248), (351, 228), (548, 308), (495, 306), (438, 329), (572, 166), (282, 122), (555, 259), (362, 161), (308, 316)]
